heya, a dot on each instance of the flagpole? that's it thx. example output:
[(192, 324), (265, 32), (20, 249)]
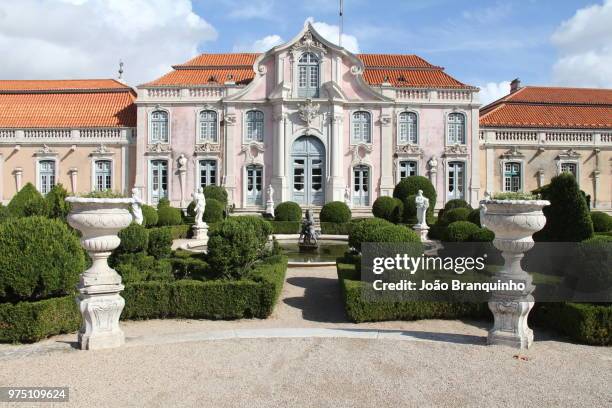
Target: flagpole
[(341, 23)]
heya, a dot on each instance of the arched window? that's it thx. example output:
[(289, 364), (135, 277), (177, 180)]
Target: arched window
[(456, 128), (159, 127), (362, 127), (408, 127), (308, 76), (254, 125), (208, 126)]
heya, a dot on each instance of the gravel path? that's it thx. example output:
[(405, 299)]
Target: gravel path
[(438, 363)]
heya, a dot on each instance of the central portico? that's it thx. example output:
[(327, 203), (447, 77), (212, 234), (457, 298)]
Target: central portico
[(309, 118)]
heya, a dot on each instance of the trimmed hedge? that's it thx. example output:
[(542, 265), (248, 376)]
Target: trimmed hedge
[(410, 186), (28, 322), (388, 208), (217, 193), (288, 211), (214, 211), (456, 203), (160, 242), (28, 202), (460, 231), (567, 216), (134, 238), (39, 258), (180, 231), (168, 215), (474, 217), (359, 230), (582, 322), (453, 215), (56, 202), (333, 228), (285, 227), (149, 215), (335, 211), (254, 296), (602, 222), (141, 267), (359, 310)]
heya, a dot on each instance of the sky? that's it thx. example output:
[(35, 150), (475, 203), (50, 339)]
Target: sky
[(481, 43)]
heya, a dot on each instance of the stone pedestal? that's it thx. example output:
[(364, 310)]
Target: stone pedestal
[(422, 231), (99, 220), (270, 208), (200, 233), (513, 222)]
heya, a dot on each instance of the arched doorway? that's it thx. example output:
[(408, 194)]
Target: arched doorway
[(308, 171)]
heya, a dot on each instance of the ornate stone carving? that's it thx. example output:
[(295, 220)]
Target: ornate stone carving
[(308, 112), (308, 43), (356, 70), (101, 150), (46, 151), (409, 150), (455, 150), (569, 154), (208, 148), (229, 120), (99, 220), (261, 69), (512, 153), (513, 222), (385, 120), (159, 148), (253, 153), (361, 154)]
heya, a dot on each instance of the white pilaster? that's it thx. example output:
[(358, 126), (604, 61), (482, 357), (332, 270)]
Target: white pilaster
[(386, 151), (475, 153), (229, 131), (279, 181), (337, 182)]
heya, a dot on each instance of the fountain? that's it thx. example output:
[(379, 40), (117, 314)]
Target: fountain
[(308, 235)]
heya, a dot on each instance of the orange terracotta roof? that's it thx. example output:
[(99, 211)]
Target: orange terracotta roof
[(551, 107), (66, 104), (399, 70)]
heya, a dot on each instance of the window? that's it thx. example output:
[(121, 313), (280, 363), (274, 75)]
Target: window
[(512, 176), (407, 168), (361, 185), (361, 127), (159, 127), (254, 125), (159, 180), (46, 174), (570, 167), (102, 176), (308, 76), (408, 127), (208, 173), (456, 128), (208, 126), (254, 184)]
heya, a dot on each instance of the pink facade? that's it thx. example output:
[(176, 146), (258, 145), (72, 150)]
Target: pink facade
[(330, 131)]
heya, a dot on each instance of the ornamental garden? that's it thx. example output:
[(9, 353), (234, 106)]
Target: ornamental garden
[(46, 253)]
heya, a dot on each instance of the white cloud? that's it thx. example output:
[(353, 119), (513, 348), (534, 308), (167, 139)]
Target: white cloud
[(492, 91), (489, 15), (86, 38), (261, 45), (584, 43), (330, 33)]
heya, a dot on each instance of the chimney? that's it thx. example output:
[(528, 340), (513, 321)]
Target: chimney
[(515, 85)]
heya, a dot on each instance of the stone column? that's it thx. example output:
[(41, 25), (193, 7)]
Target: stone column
[(73, 172), (18, 173), (337, 155), (229, 179), (279, 180), (182, 171), (474, 182), (386, 154), (540, 178)]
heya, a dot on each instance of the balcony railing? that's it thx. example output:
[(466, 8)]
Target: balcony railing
[(180, 94), (89, 135), (540, 138), (430, 95)]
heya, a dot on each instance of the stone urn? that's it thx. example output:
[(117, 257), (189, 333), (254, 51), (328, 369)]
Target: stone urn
[(513, 222), (99, 220)]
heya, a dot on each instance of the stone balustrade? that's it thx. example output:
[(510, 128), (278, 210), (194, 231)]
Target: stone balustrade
[(90, 135), (430, 95), (551, 138), (185, 94)]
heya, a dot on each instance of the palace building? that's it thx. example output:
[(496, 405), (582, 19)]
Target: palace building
[(315, 121), (310, 119), (535, 133), (76, 132)]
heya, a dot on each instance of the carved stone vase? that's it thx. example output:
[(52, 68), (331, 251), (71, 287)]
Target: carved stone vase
[(513, 222), (99, 220)]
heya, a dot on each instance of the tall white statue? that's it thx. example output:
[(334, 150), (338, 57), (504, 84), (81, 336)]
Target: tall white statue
[(137, 207), (422, 204), (200, 206), (270, 200), (347, 197)]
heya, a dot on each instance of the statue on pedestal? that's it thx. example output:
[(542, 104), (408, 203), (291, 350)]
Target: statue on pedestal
[(200, 206), (308, 235), (137, 207), (347, 197), (270, 200), (422, 204)]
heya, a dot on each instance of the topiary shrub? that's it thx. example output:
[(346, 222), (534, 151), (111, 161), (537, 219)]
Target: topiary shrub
[(474, 217), (134, 238), (460, 231), (454, 215), (56, 202), (335, 211), (411, 186), (388, 208), (589, 267), (457, 203), (149, 215), (39, 258), (233, 248), (28, 202), (5, 214), (139, 267), (213, 212), (602, 222), (482, 235), (262, 228), (160, 242), (360, 229), (409, 216), (216, 193), (288, 211), (567, 216), (168, 215)]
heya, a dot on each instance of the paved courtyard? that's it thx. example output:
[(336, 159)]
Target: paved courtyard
[(306, 354)]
